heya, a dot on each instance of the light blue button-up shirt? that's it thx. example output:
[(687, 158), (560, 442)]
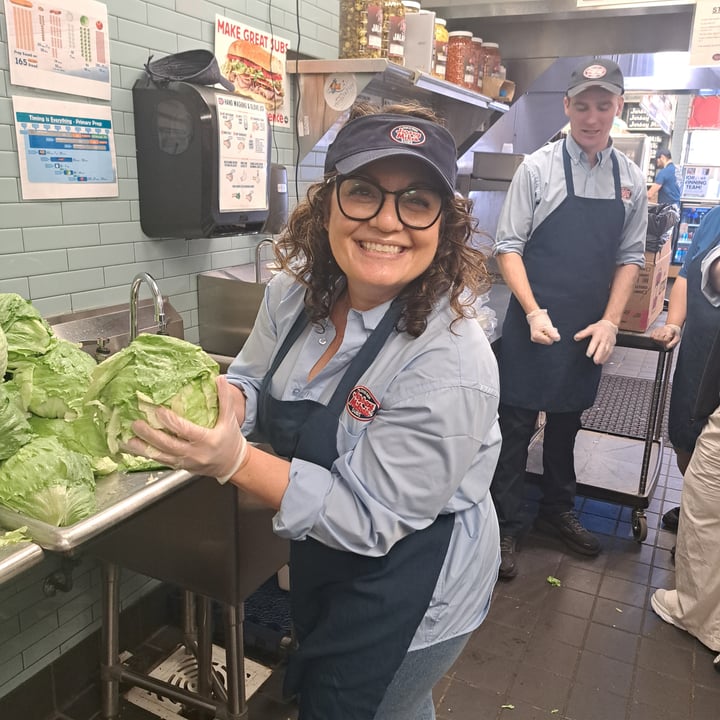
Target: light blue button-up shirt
[(538, 187), (431, 448)]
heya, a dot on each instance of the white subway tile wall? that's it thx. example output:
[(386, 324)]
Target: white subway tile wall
[(79, 254)]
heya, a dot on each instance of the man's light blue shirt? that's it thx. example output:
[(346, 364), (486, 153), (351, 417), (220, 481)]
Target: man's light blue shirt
[(538, 187)]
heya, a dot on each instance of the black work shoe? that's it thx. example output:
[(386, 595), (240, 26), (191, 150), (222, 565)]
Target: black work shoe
[(671, 519), (567, 527), (508, 568)]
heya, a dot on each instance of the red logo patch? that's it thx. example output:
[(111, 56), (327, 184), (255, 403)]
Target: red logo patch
[(407, 135), (361, 404), (594, 72), (625, 193)]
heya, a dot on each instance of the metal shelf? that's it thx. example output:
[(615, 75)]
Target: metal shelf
[(467, 114)]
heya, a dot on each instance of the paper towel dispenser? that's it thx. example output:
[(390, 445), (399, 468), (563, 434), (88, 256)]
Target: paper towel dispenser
[(203, 159)]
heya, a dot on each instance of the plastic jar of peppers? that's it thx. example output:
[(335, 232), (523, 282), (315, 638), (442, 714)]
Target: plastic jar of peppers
[(460, 68), (361, 28)]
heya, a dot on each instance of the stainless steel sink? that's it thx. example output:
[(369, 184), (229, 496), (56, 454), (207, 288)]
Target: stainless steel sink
[(228, 302), (111, 324)]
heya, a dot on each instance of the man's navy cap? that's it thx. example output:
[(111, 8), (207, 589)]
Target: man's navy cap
[(598, 72), (373, 137)]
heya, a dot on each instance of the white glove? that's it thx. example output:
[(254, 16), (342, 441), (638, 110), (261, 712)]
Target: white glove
[(668, 335), (218, 452), (602, 336), (542, 330)]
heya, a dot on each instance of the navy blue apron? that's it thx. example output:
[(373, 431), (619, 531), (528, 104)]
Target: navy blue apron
[(570, 260), (354, 616), (701, 322)]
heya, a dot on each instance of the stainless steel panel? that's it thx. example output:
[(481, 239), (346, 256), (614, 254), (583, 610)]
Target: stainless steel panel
[(206, 537), (112, 323), (496, 166), (227, 307), (16, 559), (118, 496)]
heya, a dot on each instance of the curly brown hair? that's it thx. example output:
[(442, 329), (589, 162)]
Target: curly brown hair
[(458, 270)]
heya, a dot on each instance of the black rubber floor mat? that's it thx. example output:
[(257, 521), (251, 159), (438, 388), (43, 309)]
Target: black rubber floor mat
[(622, 407)]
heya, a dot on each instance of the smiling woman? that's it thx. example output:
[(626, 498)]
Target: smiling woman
[(376, 387)]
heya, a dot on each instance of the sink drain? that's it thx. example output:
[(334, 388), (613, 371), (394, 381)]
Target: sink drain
[(180, 670)]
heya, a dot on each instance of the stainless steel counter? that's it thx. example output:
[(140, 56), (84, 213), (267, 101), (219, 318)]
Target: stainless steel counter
[(15, 559), (119, 496)]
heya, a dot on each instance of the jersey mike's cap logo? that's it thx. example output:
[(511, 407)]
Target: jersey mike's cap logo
[(408, 135), (595, 72), (361, 404)]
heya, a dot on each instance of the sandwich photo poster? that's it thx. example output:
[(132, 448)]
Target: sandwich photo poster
[(62, 46), (255, 62)]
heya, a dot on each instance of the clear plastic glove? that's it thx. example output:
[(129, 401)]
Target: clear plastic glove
[(669, 335), (217, 452), (542, 330), (602, 336)]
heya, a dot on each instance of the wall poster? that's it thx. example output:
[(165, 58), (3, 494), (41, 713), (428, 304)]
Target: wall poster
[(65, 150), (243, 137), (255, 62), (62, 46), (705, 38)]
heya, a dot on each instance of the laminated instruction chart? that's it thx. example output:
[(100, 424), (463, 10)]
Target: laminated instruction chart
[(66, 150), (62, 46), (243, 134)]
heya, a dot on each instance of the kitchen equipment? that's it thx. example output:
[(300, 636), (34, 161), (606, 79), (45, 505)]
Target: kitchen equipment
[(228, 302)]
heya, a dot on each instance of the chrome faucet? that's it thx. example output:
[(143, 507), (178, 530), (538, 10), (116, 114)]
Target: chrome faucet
[(258, 254), (160, 318)]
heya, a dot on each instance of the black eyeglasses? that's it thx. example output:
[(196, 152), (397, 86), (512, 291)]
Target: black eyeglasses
[(417, 208)]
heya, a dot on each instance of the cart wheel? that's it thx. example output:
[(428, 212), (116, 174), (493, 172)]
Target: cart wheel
[(639, 525)]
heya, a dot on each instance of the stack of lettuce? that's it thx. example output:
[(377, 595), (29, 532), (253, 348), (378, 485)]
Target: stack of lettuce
[(64, 418)]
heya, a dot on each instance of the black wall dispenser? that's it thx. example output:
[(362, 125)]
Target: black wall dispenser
[(203, 160)]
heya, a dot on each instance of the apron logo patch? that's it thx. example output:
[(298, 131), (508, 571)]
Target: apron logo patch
[(361, 404), (625, 193)]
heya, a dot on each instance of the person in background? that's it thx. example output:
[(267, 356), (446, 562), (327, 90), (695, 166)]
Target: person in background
[(569, 244), (376, 387), (694, 604), (666, 188), (683, 429)]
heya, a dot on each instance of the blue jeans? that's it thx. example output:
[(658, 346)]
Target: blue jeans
[(409, 695)]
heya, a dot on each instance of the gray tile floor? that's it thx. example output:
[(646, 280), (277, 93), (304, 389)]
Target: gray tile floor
[(590, 649)]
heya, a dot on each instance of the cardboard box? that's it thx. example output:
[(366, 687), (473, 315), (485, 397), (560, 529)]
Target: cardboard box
[(498, 89), (646, 302)]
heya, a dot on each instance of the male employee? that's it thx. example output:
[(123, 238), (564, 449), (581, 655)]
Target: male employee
[(666, 188), (569, 244)]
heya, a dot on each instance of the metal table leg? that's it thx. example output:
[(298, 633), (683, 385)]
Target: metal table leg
[(110, 641)]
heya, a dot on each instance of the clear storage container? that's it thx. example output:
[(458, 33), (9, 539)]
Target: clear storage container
[(361, 28), (439, 58), (459, 58), (393, 44)]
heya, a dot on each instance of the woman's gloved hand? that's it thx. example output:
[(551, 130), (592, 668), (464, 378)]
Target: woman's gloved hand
[(602, 336), (669, 335), (542, 330), (217, 452)]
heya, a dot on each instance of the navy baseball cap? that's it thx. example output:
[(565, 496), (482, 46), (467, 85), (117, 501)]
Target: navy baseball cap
[(373, 137), (598, 72)]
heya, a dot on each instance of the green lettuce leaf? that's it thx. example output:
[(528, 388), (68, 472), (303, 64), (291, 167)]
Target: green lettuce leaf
[(14, 428), (73, 435), (3, 354), (26, 331), (153, 370), (52, 385), (47, 481)]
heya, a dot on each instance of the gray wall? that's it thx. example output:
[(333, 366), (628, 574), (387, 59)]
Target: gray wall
[(77, 254)]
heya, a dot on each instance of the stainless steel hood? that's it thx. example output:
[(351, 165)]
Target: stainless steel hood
[(537, 115)]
